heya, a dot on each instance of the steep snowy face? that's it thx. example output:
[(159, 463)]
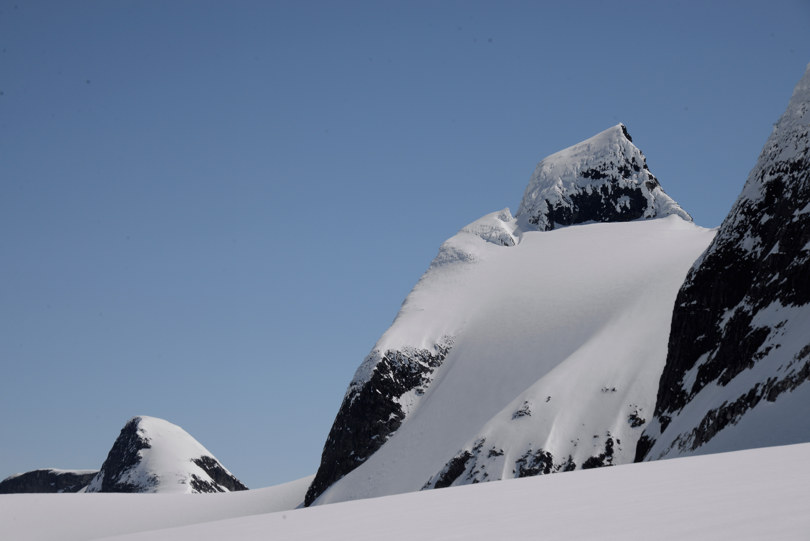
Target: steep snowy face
[(738, 365), (548, 358), (47, 480), (153, 455), (602, 179), (502, 306), (393, 378)]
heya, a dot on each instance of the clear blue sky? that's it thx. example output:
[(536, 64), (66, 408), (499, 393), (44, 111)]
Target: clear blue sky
[(210, 211)]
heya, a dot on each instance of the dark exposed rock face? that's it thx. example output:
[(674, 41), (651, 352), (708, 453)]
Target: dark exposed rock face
[(452, 471), (603, 179), (46, 480), (220, 477), (741, 323), (471, 466), (372, 411), (122, 457)]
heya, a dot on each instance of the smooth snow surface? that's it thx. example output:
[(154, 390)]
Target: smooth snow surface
[(571, 324), (73, 517), (748, 495)]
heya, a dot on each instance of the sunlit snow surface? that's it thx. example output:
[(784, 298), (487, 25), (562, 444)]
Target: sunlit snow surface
[(89, 516), (571, 323), (747, 495)]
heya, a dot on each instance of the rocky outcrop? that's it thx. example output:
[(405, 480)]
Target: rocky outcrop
[(372, 409), (47, 480), (740, 333), (602, 179), (125, 455)]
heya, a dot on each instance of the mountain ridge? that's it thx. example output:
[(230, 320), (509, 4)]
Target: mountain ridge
[(486, 277), (739, 346)]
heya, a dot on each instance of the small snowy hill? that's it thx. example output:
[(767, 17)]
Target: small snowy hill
[(738, 369), (153, 455), (749, 495), (523, 351)]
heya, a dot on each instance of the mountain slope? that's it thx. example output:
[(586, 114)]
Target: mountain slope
[(516, 343), (738, 368), (153, 455)]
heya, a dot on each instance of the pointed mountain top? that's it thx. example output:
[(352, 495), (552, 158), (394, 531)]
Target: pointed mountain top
[(602, 179), (154, 455)]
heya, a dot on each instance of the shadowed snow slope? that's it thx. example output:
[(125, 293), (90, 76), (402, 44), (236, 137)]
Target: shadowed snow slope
[(153, 455), (749, 495)]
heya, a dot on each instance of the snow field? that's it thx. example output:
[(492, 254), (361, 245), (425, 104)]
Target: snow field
[(746, 495)]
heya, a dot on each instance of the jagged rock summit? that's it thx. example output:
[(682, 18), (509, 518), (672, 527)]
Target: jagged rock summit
[(47, 480), (526, 347), (153, 455), (602, 179), (738, 369)]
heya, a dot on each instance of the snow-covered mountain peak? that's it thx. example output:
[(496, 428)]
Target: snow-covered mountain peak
[(602, 179), (491, 320), (154, 455)]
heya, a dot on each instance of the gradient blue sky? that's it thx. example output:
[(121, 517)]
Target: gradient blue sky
[(210, 211)]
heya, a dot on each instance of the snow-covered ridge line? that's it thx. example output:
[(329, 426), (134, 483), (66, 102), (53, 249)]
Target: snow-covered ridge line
[(56, 471), (47, 480)]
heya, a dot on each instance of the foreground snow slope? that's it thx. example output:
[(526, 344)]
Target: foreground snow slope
[(74, 517), (754, 494)]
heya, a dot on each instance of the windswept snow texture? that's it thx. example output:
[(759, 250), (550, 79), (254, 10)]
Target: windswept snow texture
[(153, 455), (750, 495), (558, 344), (602, 179), (738, 370)]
